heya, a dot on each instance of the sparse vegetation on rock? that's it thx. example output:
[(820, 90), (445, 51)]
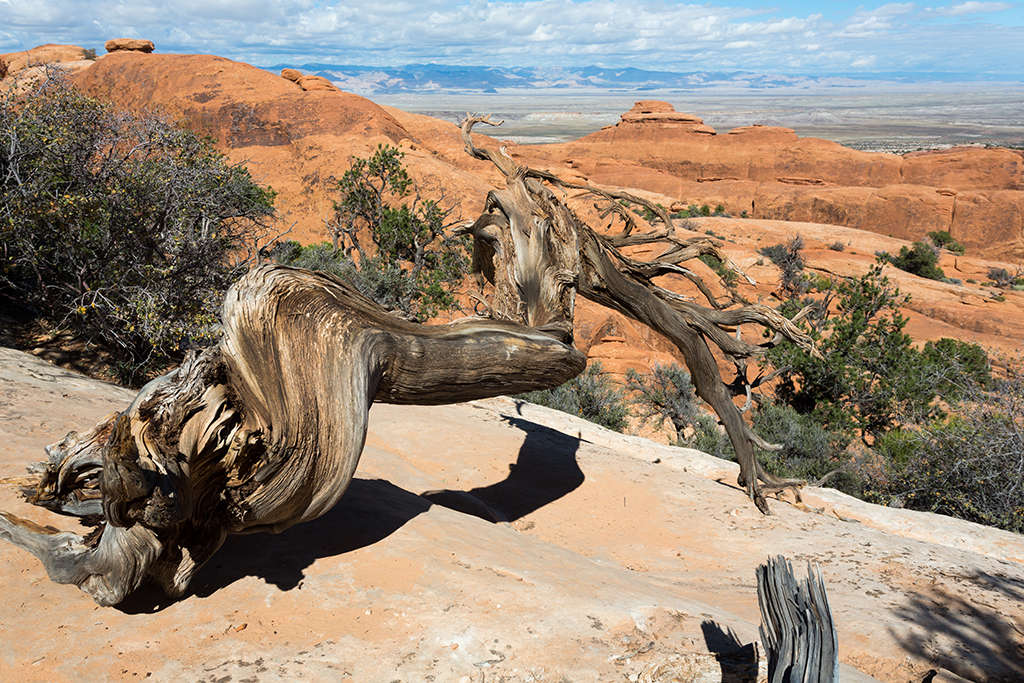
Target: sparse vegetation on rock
[(921, 259), (592, 395), (943, 240), (123, 227), (414, 266), (791, 264)]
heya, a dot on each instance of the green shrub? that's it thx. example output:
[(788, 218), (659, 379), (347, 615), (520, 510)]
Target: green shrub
[(969, 465), (921, 260), (810, 451), (665, 394), (1003, 279), (727, 276), (957, 366), (943, 240), (868, 371), (413, 266), (123, 227), (592, 395)]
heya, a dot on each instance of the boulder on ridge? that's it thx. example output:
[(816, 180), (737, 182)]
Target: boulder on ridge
[(129, 45)]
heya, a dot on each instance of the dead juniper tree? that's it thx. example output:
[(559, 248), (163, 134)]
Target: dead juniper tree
[(265, 429)]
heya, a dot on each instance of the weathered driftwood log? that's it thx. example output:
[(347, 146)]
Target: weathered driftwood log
[(262, 431), (265, 429), (537, 254), (797, 629)]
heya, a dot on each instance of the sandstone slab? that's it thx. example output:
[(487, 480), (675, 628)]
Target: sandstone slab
[(603, 544)]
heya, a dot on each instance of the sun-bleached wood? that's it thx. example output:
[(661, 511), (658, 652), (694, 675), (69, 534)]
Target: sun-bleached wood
[(265, 429)]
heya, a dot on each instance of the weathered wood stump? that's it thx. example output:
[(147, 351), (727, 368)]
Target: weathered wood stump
[(796, 625)]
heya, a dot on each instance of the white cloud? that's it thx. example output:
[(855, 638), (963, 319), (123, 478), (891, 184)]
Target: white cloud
[(973, 7), (642, 33)]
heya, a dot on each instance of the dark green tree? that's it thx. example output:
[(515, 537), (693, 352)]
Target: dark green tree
[(920, 259), (411, 264), (124, 227), (869, 371)]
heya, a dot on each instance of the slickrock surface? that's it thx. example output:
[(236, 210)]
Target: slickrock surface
[(603, 544)]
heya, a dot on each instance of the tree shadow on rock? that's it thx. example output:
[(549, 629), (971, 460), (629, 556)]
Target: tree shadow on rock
[(970, 634), (370, 511), (545, 470)]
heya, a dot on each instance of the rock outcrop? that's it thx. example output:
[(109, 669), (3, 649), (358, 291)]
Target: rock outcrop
[(129, 45), (664, 116), (769, 172), (296, 134), (27, 64), (516, 541)]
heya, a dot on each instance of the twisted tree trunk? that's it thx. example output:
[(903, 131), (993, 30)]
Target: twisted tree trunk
[(265, 429), (262, 431)]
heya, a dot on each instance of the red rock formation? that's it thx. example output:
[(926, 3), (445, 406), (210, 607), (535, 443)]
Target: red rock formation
[(769, 172), (70, 57), (129, 45), (297, 141), (300, 142), (966, 168)]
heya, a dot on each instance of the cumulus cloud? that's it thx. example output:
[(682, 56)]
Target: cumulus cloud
[(656, 34)]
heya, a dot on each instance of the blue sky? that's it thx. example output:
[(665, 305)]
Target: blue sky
[(978, 38)]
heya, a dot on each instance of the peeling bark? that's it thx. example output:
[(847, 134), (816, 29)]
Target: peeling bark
[(265, 429)]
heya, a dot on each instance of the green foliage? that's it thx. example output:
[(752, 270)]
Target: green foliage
[(89, 53), (727, 276), (708, 437), (809, 451), (869, 369), (791, 264), (921, 260), (957, 366), (943, 240), (665, 394), (649, 215), (124, 227), (414, 266), (592, 395), (969, 465)]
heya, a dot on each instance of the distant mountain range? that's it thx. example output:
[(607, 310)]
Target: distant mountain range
[(427, 78)]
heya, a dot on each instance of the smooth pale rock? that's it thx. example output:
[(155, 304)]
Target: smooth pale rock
[(129, 45), (390, 585)]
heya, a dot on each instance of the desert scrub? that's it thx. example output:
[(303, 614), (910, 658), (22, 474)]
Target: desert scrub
[(124, 228), (968, 465), (592, 395), (790, 263)]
